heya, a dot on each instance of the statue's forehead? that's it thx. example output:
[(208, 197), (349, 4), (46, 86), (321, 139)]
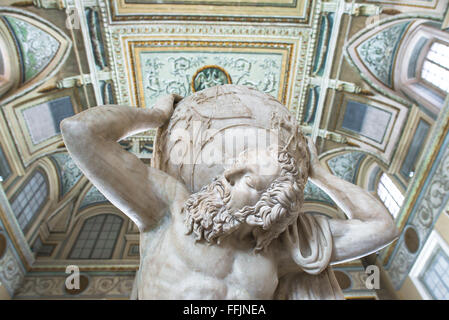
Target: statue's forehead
[(259, 161)]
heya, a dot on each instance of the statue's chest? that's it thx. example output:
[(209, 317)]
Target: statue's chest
[(253, 276), (179, 268), (245, 274)]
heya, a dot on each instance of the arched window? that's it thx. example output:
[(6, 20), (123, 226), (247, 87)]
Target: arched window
[(390, 195), (422, 71), (97, 237), (28, 202), (435, 68)]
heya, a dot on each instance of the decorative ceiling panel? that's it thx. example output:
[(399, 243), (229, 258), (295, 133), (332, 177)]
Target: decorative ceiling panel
[(93, 196), (68, 171), (184, 67), (151, 60), (42, 48), (37, 47), (378, 53), (294, 11), (346, 165)]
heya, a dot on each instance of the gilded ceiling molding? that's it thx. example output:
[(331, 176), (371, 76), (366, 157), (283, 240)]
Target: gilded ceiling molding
[(209, 41), (304, 35), (38, 66), (281, 11), (156, 72), (301, 38), (372, 52)]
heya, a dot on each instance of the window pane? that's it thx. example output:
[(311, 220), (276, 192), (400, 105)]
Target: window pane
[(26, 205), (97, 237), (439, 53), (390, 195), (434, 277), (436, 75)]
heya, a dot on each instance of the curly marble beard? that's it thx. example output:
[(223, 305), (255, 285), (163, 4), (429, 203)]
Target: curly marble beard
[(207, 215)]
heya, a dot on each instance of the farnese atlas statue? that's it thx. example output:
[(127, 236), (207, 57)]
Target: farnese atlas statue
[(220, 209)]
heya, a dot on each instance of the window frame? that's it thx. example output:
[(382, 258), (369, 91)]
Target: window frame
[(77, 232), (432, 244), (379, 182), (38, 212), (420, 65), (412, 87)]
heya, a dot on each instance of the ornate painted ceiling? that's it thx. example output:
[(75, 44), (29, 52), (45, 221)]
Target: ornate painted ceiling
[(154, 59), (334, 64)]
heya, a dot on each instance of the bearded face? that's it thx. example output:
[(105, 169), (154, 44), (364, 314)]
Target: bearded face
[(209, 215)]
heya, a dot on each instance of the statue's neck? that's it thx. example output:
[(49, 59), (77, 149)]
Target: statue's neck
[(242, 238)]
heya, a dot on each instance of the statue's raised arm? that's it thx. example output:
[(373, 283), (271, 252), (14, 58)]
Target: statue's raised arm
[(91, 137), (369, 227)]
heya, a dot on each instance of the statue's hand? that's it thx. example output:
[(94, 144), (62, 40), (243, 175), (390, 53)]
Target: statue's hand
[(165, 105)]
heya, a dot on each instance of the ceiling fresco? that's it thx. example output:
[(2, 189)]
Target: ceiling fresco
[(274, 58), (37, 47), (41, 48), (68, 172), (132, 52), (378, 53), (186, 67)]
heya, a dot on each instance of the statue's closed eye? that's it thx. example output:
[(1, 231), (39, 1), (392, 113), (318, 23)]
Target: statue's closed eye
[(249, 181)]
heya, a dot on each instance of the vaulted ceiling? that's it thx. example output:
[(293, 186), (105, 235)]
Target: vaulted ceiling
[(334, 64)]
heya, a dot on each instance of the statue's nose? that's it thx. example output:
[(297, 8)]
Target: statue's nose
[(232, 174)]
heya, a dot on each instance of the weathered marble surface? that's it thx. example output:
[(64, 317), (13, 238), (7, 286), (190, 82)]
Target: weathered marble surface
[(220, 210)]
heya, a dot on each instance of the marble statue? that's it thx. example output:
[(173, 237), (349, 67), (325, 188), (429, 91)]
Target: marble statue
[(220, 208)]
